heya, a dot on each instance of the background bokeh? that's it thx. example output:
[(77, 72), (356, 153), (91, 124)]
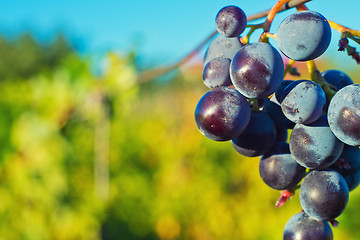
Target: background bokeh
[(89, 152)]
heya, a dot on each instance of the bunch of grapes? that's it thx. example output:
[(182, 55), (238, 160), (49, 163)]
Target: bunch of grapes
[(306, 132)]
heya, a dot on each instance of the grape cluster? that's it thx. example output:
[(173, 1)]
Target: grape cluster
[(306, 138)]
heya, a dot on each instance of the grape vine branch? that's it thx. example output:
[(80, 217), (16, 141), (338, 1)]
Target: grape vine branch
[(270, 17), (280, 6), (151, 74)]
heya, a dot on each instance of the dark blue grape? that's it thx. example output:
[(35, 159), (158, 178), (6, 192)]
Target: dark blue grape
[(303, 102), (230, 21), (284, 92), (257, 70), (278, 169), (348, 165), (216, 72), (278, 93), (304, 35), (324, 194), (273, 109), (258, 137), (302, 227), (222, 47), (281, 134), (337, 79), (314, 146), (222, 114), (344, 114)]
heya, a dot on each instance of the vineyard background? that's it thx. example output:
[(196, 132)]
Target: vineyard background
[(100, 156)]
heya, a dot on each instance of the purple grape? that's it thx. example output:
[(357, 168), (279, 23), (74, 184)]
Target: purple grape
[(222, 114), (302, 227), (278, 93), (273, 109), (281, 134), (314, 146), (337, 78), (257, 70), (344, 114), (216, 73), (348, 165), (282, 124), (303, 101), (230, 21), (258, 137), (324, 194), (278, 169), (285, 91), (222, 47), (304, 35)]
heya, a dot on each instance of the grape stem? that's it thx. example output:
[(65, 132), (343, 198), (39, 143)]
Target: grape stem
[(284, 196), (160, 71), (351, 33), (267, 35), (342, 29), (255, 105), (289, 66), (246, 39), (302, 7), (270, 17), (348, 35), (315, 76), (334, 223), (151, 74)]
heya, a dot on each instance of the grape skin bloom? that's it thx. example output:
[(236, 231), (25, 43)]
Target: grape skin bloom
[(324, 194), (230, 21), (303, 101), (344, 114), (302, 227), (314, 146), (222, 46), (304, 35), (216, 73), (278, 168)]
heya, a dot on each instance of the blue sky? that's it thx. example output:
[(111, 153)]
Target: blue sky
[(160, 30)]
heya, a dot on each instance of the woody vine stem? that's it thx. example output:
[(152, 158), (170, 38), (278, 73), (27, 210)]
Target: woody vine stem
[(281, 5)]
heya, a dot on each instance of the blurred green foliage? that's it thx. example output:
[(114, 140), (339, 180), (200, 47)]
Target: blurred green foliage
[(86, 157), (23, 56)]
